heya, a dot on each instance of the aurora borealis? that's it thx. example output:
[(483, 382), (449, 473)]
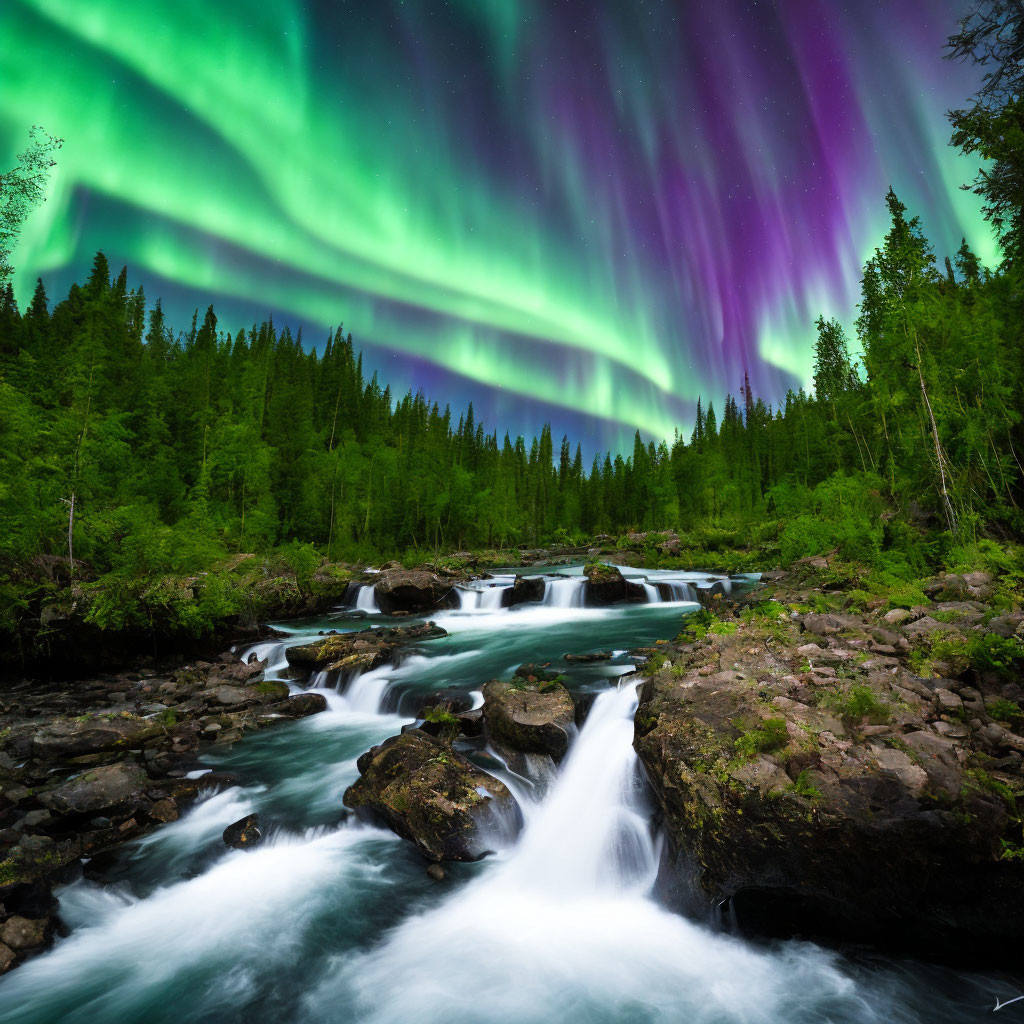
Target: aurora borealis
[(588, 213)]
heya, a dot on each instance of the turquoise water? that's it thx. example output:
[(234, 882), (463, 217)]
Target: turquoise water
[(331, 920)]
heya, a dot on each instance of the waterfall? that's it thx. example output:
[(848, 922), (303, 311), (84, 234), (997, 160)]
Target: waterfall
[(592, 831), (651, 593), (564, 592), (482, 598), (366, 600), (365, 693)]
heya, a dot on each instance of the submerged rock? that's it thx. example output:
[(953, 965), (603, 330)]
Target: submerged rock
[(434, 797), (530, 717)]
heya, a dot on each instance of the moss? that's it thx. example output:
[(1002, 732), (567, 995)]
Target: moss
[(856, 704), (803, 786), (1005, 711), (770, 735), (654, 664)]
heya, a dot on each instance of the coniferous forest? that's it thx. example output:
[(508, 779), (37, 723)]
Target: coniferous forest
[(136, 448)]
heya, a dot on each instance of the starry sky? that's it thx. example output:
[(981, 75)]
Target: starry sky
[(588, 213)]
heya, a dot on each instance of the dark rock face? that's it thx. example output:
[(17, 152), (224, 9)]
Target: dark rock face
[(244, 834), (410, 590), (361, 651), (432, 796), (527, 588), (606, 585), (532, 718), (867, 804)]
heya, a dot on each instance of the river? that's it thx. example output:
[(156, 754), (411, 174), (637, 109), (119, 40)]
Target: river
[(333, 920)]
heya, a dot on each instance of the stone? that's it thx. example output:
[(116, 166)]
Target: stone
[(897, 616), (532, 718), (410, 590), (302, 705), (7, 958), (605, 585), (948, 702), (436, 872), (924, 626), (244, 834), (433, 796), (527, 588), (164, 810), (21, 933), (828, 624), (108, 788), (66, 738)]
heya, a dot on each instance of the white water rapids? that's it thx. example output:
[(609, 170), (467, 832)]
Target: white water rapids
[(329, 923)]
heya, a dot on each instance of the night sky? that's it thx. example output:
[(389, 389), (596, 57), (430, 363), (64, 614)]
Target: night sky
[(588, 213)]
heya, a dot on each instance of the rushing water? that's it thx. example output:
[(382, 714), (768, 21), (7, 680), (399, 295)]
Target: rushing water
[(333, 921)]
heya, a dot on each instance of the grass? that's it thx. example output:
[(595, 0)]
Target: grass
[(770, 735)]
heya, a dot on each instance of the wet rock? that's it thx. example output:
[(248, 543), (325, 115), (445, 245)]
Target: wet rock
[(360, 651), (104, 789), (7, 958), (589, 658), (436, 872), (538, 718), (410, 590), (526, 588), (244, 834), (432, 796), (605, 585), (300, 706), (164, 810), (23, 933)]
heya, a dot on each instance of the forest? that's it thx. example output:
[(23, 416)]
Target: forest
[(133, 448)]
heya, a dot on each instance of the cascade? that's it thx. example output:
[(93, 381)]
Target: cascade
[(366, 600), (564, 592)]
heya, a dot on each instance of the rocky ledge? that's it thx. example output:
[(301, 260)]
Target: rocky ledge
[(360, 651), (89, 765), (844, 773)]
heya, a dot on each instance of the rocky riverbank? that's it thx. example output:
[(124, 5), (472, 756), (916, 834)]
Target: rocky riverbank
[(835, 765), (89, 765)]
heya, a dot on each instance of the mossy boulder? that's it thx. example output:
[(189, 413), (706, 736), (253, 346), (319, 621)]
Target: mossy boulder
[(606, 585), (433, 796), (359, 651), (90, 734), (532, 717)]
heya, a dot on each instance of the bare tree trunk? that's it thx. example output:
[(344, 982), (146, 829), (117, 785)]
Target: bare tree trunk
[(940, 455)]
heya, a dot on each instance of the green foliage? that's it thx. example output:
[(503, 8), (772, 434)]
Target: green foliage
[(1005, 711), (803, 786), (769, 735), (856, 704), (653, 665), (436, 714), (696, 626)]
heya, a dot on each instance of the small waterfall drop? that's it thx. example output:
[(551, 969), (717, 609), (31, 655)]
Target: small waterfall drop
[(564, 592), (366, 599), (652, 593)]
